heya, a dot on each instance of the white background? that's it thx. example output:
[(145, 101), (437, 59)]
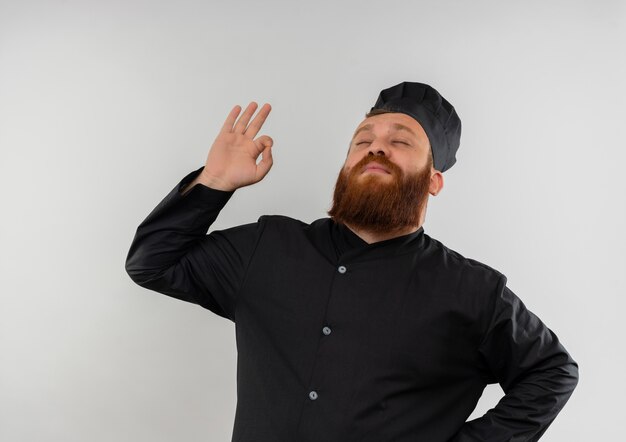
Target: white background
[(105, 106)]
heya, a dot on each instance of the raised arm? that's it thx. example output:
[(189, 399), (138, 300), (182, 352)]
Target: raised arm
[(171, 252)]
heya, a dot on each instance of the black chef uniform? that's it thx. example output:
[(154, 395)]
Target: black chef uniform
[(343, 341)]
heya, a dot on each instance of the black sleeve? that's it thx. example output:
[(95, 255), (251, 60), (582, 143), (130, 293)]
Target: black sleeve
[(533, 368), (172, 254)]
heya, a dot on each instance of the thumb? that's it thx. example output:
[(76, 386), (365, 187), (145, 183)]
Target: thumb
[(263, 142)]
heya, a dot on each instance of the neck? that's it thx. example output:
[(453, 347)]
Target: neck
[(372, 237)]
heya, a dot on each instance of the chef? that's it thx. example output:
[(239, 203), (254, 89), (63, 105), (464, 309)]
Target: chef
[(358, 326)]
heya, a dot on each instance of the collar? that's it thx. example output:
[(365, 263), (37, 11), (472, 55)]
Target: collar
[(340, 244)]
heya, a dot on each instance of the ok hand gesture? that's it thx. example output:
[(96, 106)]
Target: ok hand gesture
[(232, 159)]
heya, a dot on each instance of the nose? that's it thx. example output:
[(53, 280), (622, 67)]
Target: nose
[(379, 148)]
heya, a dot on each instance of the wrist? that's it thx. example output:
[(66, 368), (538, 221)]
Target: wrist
[(214, 182)]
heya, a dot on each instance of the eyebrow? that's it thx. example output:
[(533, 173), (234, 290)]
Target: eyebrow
[(396, 126)]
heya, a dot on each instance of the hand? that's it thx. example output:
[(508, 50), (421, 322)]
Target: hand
[(232, 159)]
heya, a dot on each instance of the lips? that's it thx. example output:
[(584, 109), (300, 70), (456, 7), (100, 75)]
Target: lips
[(375, 166)]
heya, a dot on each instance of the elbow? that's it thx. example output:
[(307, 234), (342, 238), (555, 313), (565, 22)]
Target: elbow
[(136, 270), (567, 379), (566, 372), (568, 382), (147, 276), (142, 277), (573, 374), (132, 272)]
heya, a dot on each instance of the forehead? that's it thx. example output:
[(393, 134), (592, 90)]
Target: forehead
[(393, 121)]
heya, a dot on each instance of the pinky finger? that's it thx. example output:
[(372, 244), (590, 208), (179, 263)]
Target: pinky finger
[(230, 120)]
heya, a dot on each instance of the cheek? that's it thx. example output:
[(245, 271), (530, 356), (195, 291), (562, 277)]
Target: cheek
[(412, 164), (351, 161)]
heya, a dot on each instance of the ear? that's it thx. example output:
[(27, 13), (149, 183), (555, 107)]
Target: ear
[(436, 182)]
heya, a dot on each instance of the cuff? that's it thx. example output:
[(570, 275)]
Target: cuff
[(200, 192)]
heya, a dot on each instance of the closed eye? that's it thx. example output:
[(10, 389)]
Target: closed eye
[(395, 141)]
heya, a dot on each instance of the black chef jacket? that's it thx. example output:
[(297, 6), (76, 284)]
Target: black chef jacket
[(339, 340)]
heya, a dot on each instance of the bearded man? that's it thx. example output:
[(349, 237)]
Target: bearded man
[(358, 326)]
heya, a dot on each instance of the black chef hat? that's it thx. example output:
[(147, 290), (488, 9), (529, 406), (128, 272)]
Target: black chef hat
[(433, 112)]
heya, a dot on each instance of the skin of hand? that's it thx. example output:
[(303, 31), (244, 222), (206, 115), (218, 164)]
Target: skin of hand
[(232, 159)]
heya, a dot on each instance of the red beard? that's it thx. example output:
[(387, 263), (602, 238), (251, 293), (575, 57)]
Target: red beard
[(378, 204)]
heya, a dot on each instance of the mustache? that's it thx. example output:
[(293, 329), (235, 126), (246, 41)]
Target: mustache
[(393, 168)]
